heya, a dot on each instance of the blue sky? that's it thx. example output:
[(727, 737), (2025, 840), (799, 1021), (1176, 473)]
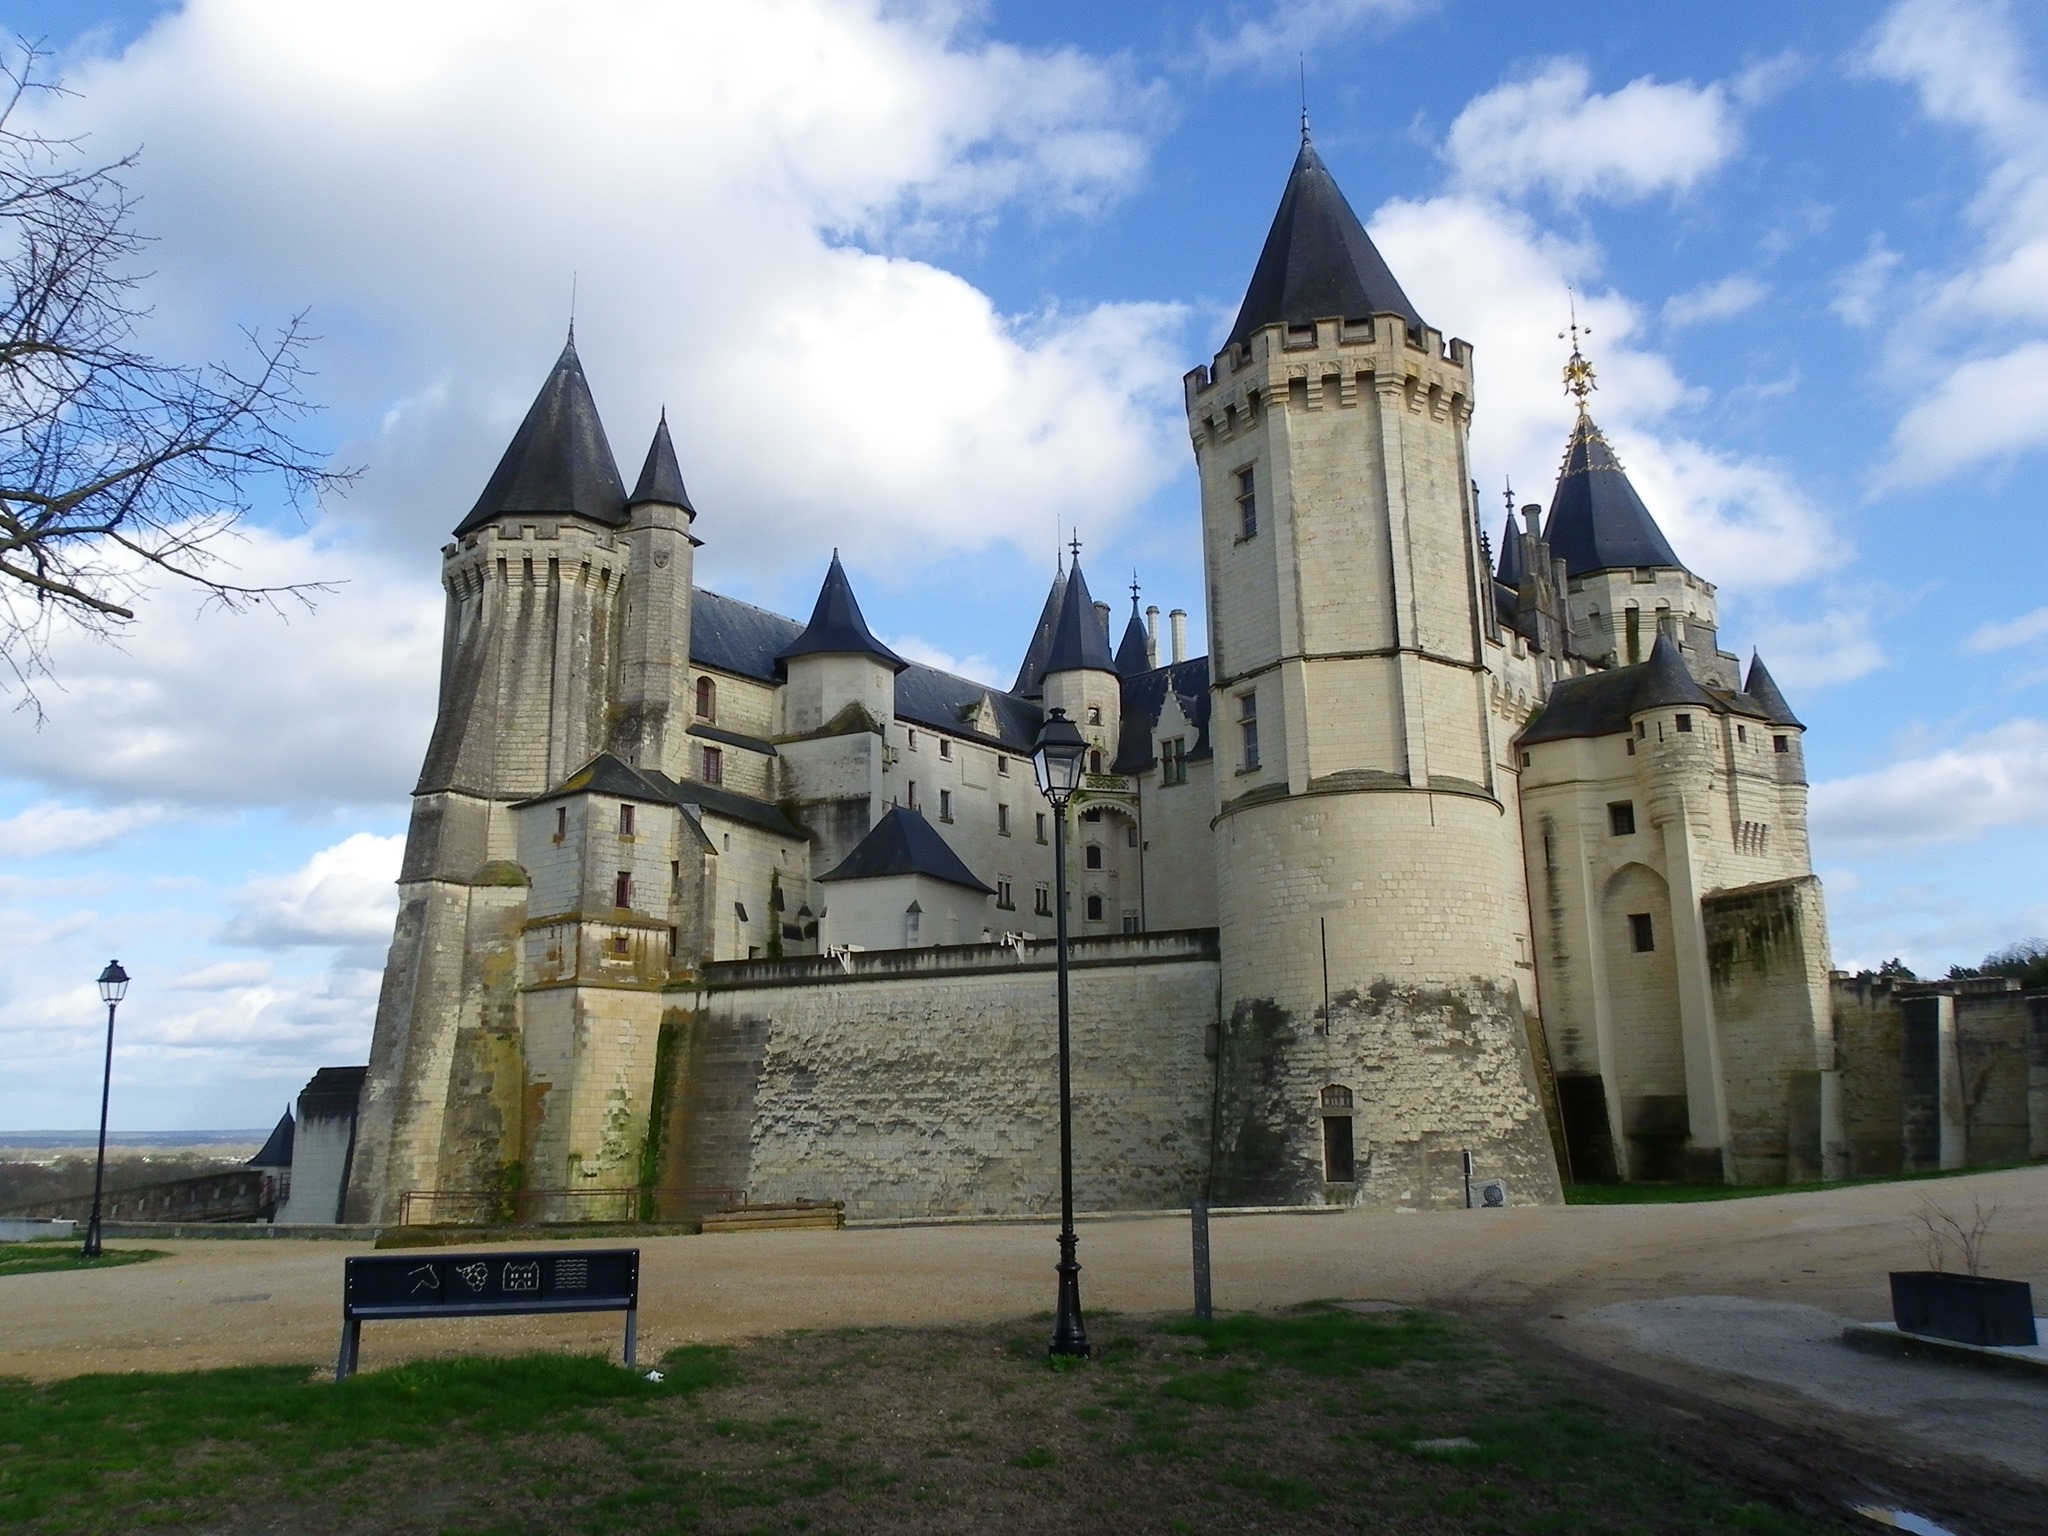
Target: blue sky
[(920, 282)]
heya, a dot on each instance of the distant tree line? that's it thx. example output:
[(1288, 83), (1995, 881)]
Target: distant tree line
[(2026, 960)]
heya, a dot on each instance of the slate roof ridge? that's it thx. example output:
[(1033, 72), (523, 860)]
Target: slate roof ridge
[(661, 478), (1079, 643), (1597, 522), (837, 627), (1318, 262), (1762, 687), (904, 843), (559, 461)]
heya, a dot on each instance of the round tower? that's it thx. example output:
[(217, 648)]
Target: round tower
[(1374, 925)]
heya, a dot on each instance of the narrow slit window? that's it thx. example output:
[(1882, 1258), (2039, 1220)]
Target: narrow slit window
[(1041, 902), (622, 889), (1642, 932), (945, 805), (625, 821), (561, 822), (1002, 820), (1247, 504), (1248, 727)]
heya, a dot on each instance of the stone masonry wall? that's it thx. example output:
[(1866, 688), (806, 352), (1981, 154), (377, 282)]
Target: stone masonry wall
[(924, 1082)]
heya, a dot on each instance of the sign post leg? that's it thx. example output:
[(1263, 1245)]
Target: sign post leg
[(1199, 1222), (632, 1336), (351, 1343)]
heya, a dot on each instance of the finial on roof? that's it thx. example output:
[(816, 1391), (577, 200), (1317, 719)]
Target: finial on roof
[(1075, 545), (1508, 495), (1578, 373), (1301, 60), (1134, 587)]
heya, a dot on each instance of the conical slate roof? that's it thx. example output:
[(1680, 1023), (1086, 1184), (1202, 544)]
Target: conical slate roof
[(1602, 703), (1031, 675), (1134, 651), (1763, 688), (1510, 573), (277, 1151), (558, 460), (1668, 680), (661, 478), (904, 843), (1318, 262), (836, 627), (1597, 521), (1079, 643)]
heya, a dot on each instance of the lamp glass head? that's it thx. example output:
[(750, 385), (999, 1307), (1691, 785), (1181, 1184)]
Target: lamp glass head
[(113, 983), (1056, 758)]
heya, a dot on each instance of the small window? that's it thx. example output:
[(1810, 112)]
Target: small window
[(622, 945), (1041, 901), (1130, 922), (1002, 765), (1095, 762), (1248, 727), (910, 794), (913, 740), (1642, 729), (1337, 1096), (561, 822), (1002, 820), (675, 941), (1741, 731), (1093, 859), (622, 889), (1173, 760), (1340, 1163), (1003, 898), (1685, 722), (1525, 759), (1781, 743), (946, 748), (1642, 933), (1095, 714), (1094, 909), (913, 920), (1131, 834), (945, 805), (625, 821), (1247, 505), (675, 874), (714, 765), (1621, 818), (1041, 826), (707, 699)]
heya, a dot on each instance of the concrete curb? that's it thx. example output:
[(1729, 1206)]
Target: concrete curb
[(1039, 1219), (2030, 1361)]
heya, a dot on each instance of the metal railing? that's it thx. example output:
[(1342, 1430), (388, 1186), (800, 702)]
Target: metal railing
[(497, 1207)]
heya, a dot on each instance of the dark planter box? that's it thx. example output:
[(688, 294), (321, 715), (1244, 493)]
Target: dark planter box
[(1968, 1309)]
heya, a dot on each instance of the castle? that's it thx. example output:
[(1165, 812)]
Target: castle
[(1444, 860)]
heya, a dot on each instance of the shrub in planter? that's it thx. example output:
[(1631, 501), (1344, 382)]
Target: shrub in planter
[(1968, 1309)]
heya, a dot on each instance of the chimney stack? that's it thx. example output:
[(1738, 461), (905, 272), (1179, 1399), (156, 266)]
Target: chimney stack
[(1532, 518), (1179, 620), (1102, 618), (1152, 634)]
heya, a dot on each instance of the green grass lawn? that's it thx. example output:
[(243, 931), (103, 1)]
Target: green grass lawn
[(1315, 1420), (42, 1256)]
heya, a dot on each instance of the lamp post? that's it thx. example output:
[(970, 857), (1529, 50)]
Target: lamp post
[(1056, 759), (113, 987)]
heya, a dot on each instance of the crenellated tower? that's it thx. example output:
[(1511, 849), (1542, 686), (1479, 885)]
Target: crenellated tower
[(1374, 934)]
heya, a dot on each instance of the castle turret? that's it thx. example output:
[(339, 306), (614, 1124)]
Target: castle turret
[(653, 717), (1031, 674), (837, 664), (1374, 934), (1134, 651), (535, 579), (1080, 674)]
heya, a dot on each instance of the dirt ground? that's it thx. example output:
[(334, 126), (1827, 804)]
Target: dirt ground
[(1537, 1272)]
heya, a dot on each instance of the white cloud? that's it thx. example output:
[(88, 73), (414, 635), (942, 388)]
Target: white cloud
[(739, 188), (50, 826), (1723, 300), (344, 895), (1551, 132), (979, 668), (2024, 630), (1998, 778), (1860, 289), (1986, 408), (1839, 646), (213, 708), (224, 975), (1292, 27)]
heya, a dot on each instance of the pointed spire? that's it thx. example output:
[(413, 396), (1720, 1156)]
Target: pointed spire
[(661, 478), (1030, 682), (1667, 680), (1134, 651), (1078, 641), (559, 460), (1510, 573), (836, 627), (1763, 688), (1318, 262), (1597, 521)]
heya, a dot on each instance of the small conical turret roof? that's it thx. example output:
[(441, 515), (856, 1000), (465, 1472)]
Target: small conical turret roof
[(836, 627), (1134, 651), (1031, 675), (1763, 688), (559, 460), (1667, 680), (1079, 642), (1597, 521), (1510, 573), (1318, 262), (661, 478), (277, 1151)]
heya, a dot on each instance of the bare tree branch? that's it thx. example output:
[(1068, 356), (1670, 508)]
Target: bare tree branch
[(114, 464)]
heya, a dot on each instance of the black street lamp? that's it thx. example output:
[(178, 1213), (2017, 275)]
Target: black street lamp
[(1056, 759), (113, 987)]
